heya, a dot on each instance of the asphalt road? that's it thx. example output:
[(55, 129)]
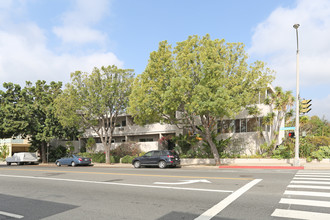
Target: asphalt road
[(43, 192)]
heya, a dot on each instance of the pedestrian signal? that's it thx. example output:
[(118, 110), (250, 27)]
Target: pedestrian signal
[(291, 134)]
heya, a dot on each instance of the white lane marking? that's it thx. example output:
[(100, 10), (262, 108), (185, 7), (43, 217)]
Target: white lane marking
[(184, 182), (227, 201), (284, 213), (311, 182), (317, 173), (305, 202), (119, 184), (11, 215), (312, 175), (310, 178), (308, 187), (307, 193)]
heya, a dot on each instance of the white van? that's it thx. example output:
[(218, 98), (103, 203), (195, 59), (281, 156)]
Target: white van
[(23, 158)]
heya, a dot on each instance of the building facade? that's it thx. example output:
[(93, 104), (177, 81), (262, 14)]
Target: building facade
[(247, 132)]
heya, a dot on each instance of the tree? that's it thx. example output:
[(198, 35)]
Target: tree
[(94, 101), (314, 126), (196, 84), (44, 126), (280, 103), (14, 111), (30, 112)]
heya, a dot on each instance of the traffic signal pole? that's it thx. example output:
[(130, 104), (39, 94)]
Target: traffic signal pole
[(296, 159)]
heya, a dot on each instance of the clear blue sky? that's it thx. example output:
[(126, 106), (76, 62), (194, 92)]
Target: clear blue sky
[(49, 39)]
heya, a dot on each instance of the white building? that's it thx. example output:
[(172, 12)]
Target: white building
[(244, 131)]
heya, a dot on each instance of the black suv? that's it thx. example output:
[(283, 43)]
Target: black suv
[(160, 158)]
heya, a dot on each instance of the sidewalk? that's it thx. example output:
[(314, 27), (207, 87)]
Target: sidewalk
[(232, 164)]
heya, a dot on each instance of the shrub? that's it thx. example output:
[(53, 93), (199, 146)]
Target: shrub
[(321, 153), (128, 148), (318, 141), (282, 152), (127, 159), (4, 151), (98, 157)]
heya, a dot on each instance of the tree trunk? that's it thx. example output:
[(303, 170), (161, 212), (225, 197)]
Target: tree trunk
[(107, 154), (213, 149), (43, 152)]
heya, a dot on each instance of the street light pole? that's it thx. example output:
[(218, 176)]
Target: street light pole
[(296, 159)]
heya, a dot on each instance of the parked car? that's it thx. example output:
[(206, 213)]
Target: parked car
[(22, 158), (73, 160), (160, 158)]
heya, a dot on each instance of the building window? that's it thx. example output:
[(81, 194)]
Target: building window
[(237, 126), (145, 139), (243, 125), (226, 126), (123, 123), (252, 124)]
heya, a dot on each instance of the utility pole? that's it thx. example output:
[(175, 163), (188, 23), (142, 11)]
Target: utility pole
[(296, 158)]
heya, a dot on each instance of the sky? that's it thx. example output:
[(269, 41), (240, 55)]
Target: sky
[(49, 39)]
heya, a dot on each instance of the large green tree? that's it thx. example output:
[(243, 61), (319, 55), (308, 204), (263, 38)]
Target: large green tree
[(30, 112), (44, 126), (280, 111), (196, 84), (14, 111), (94, 101)]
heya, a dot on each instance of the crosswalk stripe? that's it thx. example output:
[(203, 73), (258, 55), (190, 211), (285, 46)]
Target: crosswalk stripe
[(300, 214), (308, 186), (307, 193), (310, 178), (311, 182), (315, 173), (312, 175), (305, 202)]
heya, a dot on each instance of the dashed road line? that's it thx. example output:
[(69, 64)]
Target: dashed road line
[(11, 215)]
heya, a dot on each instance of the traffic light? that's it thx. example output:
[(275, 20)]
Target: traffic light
[(291, 134), (305, 106)]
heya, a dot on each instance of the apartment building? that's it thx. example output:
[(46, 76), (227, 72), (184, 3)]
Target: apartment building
[(126, 131), (246, 131)]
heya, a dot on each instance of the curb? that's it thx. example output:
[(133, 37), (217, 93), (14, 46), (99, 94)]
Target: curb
[(263, 167)]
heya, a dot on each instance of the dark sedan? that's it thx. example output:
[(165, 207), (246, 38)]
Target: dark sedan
[(160, 158), (73, 160)]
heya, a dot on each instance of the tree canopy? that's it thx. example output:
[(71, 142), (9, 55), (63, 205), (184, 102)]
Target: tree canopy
[(30, 112), (94, 101), (197, 83), (14, 111)]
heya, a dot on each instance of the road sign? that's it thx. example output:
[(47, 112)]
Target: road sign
[(287, 128)]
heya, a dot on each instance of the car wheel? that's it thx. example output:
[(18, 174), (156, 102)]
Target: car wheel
[(58, 163), (8, 163), (162, 164), (73, 164), (137, 164)]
